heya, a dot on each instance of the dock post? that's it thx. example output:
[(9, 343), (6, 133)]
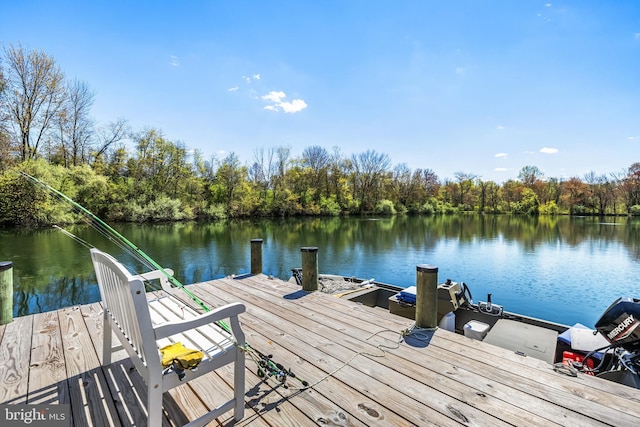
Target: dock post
[(256, 256), (310, 269), (426, 296), (6, 292)]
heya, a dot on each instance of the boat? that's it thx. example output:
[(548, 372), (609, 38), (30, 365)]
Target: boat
[(610, 351)]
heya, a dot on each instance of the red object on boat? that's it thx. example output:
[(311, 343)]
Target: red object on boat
[(569, 357)]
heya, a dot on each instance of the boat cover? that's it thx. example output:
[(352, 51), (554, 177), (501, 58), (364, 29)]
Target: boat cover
[(582, 338)]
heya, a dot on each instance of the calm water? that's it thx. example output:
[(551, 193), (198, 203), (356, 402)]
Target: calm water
[(562, 269)]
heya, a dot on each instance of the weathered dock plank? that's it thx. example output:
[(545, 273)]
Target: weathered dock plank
[(47, 373), (15, 352)]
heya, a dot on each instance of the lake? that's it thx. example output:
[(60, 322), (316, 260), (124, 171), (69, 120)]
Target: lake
[(562, 269)]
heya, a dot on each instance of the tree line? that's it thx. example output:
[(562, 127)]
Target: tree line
[(46, 129)]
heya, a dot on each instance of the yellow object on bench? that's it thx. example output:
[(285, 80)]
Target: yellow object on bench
[(185, 358)]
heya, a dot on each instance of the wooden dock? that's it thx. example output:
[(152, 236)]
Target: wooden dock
[(363, 374)]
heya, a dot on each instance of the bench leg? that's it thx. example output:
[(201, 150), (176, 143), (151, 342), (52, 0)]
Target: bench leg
[(154, 406), (238, 384), (106, 340)]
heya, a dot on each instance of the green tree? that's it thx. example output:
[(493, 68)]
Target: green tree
[(449, 192), (529, 204), (21, 204), (369, 170), (160, 166), (530, 175), (483, 194), (339, 170), (465, 185), (316, 160), (229, 177), (492, 194), (551, 191)]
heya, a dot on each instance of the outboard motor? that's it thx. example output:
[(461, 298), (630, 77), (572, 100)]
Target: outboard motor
[(620, 325)]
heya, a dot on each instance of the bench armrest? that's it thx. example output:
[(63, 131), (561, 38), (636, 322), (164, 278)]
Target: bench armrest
[(229, 311), (157, 274)]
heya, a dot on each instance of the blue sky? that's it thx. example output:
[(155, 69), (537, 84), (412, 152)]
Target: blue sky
[(482, 87)]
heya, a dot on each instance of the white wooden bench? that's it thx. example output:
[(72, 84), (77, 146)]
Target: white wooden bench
[(143, 327)]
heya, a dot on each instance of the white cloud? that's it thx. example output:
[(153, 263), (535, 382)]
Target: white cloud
[(277, 98), (547, 5), (548, 150), (173, 60), (248, 79), (274, 96), (459, 71), (633, 138), (499, 155), (293, 106), (500, 127)]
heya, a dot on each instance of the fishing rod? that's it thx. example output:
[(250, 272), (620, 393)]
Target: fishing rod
[(74, 237), (266, 367)]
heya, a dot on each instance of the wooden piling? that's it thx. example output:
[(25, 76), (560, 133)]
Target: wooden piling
[(256, 256), (426, 296), (309, 269), (6, 292)]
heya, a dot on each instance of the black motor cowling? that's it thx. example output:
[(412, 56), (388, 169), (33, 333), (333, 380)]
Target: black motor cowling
[(620, 324)]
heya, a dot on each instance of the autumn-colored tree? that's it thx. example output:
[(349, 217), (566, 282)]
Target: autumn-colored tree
[(576, 195)]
